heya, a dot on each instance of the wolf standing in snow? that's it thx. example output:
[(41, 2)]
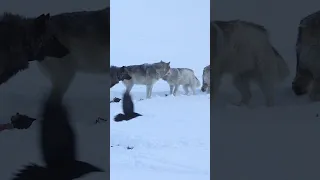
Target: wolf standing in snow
[(243, 50), (146, 74), (206, 80), (308, 58), (181, 76)]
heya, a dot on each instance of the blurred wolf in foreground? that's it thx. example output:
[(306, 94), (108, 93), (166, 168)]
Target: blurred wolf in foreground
[(243, 50), (23, 40), (307, 79), (146, 74), (181, 76), (206, 79), (87, 35)]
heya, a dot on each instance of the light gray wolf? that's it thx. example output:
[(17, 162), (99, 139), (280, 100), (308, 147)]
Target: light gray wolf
[(206, 79), (181, 76), (307, 78), (118, 74), (128, 109), (243, 50), (146, 74), (87, 35), (23, 40), (57, 146)]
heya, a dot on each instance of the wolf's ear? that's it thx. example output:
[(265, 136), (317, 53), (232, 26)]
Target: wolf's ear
[(168, 63), (123, 68), (41, 23)]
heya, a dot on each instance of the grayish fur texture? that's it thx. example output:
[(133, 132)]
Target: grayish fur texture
[(146, 74), (181, 76), (245, 52), (87, 35), (307, 79), (23, 39), (118, 74), (206, 79)]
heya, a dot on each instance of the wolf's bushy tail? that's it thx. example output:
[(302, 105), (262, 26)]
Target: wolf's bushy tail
[(198, 84), (283, 69)]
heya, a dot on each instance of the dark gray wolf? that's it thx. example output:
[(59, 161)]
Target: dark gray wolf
[(58, 147), (23, 40), (181, 76), (243, 50), (206, 79), (146, 74), (128, 109), (118, 74), (307, 79), (87, 35)]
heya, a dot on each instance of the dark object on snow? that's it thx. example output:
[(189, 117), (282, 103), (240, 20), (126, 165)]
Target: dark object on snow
[(20, 121), (99, 119), (57, 143), (128, 109), (115, 99)]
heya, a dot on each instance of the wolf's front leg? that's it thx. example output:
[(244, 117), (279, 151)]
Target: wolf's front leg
[(176, 88), (149, 91), (171, 89), (185, 88)]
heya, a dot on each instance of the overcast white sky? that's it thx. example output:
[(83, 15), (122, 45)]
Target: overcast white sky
[(145, 31)]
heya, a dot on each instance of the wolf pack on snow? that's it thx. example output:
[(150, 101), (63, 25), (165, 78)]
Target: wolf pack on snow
[(67, 43)]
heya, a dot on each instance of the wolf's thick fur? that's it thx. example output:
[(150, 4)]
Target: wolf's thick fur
[(181, 76), (308, 54), (118, 74), (206, 79), (146, 74), (87, 35), (23, 40), (247, 55)]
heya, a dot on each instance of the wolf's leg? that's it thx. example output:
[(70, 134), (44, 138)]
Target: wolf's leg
[(193, 88), (241, 83), (149, 90), (208, 89), (185, 88), (176, 88), (129, 84), (171, 89), (267, 87), (314, 94)]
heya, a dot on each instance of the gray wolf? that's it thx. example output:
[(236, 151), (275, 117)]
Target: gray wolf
[(128, 109), (118, 74), (23, 40), (181, 76), (58, 147), (206, 79), (307, 78), (87, 35), (243, 50), (146, 74)]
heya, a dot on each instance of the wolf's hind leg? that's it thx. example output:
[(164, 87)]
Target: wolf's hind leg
[(241, 83)]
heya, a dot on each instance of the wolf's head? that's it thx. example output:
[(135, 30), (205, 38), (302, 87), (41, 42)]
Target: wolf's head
[(162, 68), (21, 40), (301, 82)]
